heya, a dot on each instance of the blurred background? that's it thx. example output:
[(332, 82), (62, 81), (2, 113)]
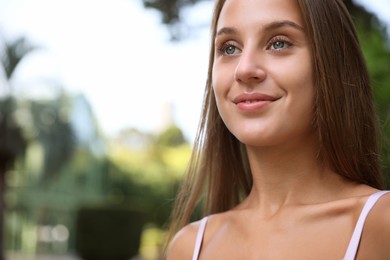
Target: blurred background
[(99, 105)]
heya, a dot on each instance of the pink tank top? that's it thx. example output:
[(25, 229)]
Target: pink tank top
[(353, 244)]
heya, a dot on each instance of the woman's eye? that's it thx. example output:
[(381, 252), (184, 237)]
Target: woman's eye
[(279, 44), (228, 49)]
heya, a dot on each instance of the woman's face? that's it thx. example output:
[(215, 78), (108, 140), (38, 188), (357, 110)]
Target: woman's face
[(262, 72)]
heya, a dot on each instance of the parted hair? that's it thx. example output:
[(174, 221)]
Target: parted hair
[(219, 176)]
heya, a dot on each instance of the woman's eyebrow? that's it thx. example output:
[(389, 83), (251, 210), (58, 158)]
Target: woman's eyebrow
[(280, 24), (268, 27), (226, 30)]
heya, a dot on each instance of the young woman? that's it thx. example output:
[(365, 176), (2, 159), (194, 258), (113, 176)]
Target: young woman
[(286, 160)]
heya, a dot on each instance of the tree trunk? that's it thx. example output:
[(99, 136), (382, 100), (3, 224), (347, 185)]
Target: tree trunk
[(2, 208)]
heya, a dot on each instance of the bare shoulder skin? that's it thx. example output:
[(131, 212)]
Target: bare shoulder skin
[(320, 230), (376, 235), (182, 245), (316, 230)]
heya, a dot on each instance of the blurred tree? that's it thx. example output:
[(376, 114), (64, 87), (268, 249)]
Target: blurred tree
[(171, 13), (147, 176), (54, 133), (12, 141), (49, 122), (13, 53), (172, 136)]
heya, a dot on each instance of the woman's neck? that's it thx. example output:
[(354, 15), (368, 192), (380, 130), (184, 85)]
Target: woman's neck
[(291, 175)]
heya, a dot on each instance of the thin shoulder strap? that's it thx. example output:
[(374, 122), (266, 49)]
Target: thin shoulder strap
[(199, 238), (357, 233)]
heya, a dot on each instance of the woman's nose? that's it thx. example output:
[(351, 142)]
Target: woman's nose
[(250, 69)]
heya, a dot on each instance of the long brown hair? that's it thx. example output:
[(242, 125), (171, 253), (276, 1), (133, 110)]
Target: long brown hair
[(344, 116)]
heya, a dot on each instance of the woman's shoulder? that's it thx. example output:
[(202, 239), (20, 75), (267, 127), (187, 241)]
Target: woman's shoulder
[(377, 228), (380, 213), (183, 243)]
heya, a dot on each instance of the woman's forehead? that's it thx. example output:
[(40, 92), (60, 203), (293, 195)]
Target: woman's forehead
[(259, 11)]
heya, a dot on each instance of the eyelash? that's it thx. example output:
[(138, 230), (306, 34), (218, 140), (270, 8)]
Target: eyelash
[(223, 47)]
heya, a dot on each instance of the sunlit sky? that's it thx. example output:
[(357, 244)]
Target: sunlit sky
[(118, 55)]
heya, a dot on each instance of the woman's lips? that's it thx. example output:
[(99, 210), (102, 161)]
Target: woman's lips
[(253, 101)]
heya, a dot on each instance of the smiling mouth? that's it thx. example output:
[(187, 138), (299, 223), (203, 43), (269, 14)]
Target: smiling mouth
[(249, 98), (251, 102)]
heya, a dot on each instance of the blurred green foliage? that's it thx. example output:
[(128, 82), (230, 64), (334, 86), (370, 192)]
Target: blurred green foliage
[(141, 177), (147, 177)]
